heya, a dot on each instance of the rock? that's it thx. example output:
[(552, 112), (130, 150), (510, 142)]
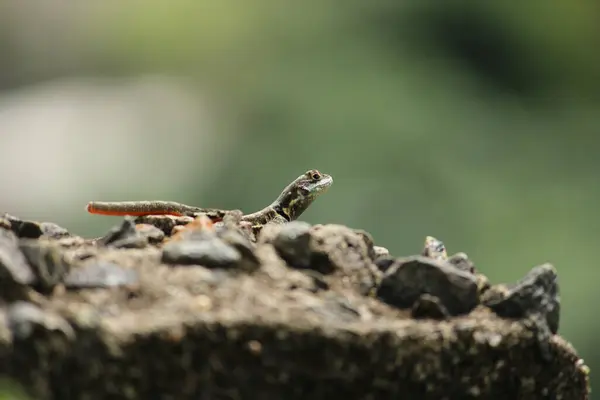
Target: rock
[(124, 236), (384, 262), (434, 248), (368, 241), (217, 215), (240, 241), (231, 218), (412, 277), (165, 223), (292, 243), (380, 252), (53, 231), (279, 332), (535, 298), (5, 224), (346, 254), (210, 252), (483, 283), (318, 279), (221, 244), (39, 339), (24, 318), (336, 308), (34, 230), (13, 265), (462, 262), (537, 292), (100, 275), (340, 247), (200, 227), (15, 272), (326, 249), (429, 307), (47, 261), (232, 221), (150, 232), (72, 242)]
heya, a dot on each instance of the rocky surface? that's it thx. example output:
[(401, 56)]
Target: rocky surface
[(165, 308)]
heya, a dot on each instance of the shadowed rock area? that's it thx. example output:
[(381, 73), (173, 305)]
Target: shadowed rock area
[(165, 308)]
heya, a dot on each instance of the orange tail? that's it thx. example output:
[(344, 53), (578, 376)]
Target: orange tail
[(121, 212)]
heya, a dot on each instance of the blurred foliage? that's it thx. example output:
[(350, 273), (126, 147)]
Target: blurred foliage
[(474, 122), (11, 391)]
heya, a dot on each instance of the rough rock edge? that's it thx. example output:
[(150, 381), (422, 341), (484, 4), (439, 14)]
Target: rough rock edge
[(259, 338)]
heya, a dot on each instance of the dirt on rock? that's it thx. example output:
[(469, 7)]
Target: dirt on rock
[(293, 312)]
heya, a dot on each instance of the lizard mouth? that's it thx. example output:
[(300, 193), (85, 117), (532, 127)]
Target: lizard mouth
[(323, 184)]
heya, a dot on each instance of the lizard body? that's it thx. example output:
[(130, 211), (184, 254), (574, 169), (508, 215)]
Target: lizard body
[(288, 206)]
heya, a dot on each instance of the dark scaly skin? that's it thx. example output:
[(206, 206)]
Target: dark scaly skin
[(289, 205), (293, 200)]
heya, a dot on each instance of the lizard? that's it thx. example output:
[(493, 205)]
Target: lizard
[(295, 198)]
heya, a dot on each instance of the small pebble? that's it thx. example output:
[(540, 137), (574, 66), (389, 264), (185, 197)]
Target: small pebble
[(211, 253), (414, 276), (47, 262), (24, 318), (124, 236), (53, 231), (380, 251), (242, 244), (34, 230), (100, 275), (165, 223), (384, 263), (150, 232), (14, 269), (5, 224), (293, 244), (462, 262)]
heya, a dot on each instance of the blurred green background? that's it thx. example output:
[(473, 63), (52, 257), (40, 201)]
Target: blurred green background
[(474, 122)]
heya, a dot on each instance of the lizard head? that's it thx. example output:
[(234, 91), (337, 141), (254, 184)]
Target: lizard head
[(312, 183), (298, 195)]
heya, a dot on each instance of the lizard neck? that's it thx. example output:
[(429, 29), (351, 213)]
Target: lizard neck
[(288, 206), (293, 200), (263, 216)]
